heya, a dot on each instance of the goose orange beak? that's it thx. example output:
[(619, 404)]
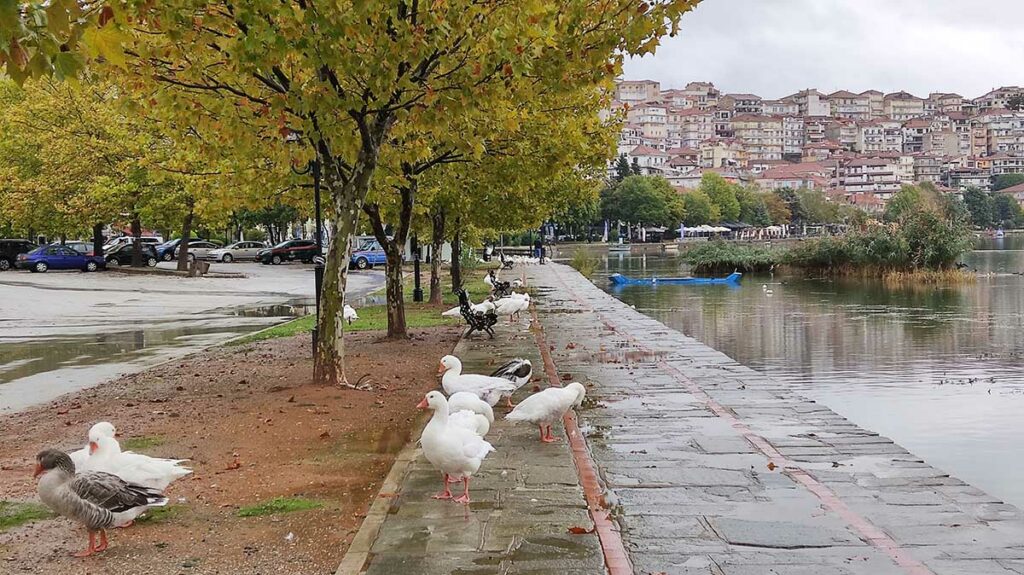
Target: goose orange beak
[(441, 368), (38, 471), (93, 446), (422, 404)]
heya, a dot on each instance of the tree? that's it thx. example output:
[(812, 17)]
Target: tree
[(634, 168), (622, 169), (817, 208), (1016, 102), (722, 195), (1007, 211), (344, 80), (1003, 181), (643, 199), (698, 209), (979, 207), (778, 210), (789, 197)]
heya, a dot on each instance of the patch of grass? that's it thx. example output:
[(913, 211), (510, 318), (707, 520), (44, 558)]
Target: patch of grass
[(161, 514), (15, 513), (299, 325), (279, 505), (584, 263), (143, 442)]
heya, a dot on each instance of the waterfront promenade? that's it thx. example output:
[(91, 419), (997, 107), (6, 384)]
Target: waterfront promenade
[(706, 465)]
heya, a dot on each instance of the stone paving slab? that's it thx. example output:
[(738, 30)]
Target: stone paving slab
[(526, 497), (683, 435)]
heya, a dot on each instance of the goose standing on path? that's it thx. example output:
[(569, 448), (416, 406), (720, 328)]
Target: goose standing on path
[(518, 371), (489, 389), (548, 406), (512, 305), (153, 472), (456, 451), (97, 500), (349, 314)]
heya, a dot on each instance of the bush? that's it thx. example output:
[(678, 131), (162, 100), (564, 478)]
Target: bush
[(720, 256), (584, 263)]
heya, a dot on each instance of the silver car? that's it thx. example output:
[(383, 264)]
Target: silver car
[(198, 249), (236, 251)]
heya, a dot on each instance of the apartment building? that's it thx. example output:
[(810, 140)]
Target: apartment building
[(876, 103), (963, 178), (902, 106), (913, 134), (1003, 163), (742, 103), (941, 143), (676, 99), (704, 95), (876, 175), (943, 103), (691, 126), (811, 103), (783, 107), (844, 104), (843, 131), (723, 153), (634, 91), (762, 136), (927, 168), (997, 99), (1003, 131), (652, 160), (792, 135), (879, 136)]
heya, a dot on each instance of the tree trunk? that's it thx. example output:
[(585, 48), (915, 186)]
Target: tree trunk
[(436, 246), (457, 256), (393, 248), (137, 244), (329, 362), (186, 235), (97, 239)]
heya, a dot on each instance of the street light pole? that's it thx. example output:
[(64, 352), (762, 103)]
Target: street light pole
[(417, 292), (319, 261)]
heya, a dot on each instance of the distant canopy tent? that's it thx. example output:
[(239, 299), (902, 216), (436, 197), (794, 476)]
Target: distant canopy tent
[(706, 230)]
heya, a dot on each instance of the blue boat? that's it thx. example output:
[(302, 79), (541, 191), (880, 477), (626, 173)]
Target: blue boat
[(619, 279)]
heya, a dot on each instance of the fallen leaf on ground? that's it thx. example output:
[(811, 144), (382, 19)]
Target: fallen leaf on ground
[(581, 530), (771, 466)]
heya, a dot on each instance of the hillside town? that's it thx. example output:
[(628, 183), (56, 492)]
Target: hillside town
[(859, 148)]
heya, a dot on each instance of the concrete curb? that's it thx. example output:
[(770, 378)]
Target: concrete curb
[(175, 273)]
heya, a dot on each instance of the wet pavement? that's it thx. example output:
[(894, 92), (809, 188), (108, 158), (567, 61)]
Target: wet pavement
[(711, 467), (65, 331), (525, 498)]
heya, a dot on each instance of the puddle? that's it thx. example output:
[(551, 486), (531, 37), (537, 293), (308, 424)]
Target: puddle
[(39, 370), (629, 356)]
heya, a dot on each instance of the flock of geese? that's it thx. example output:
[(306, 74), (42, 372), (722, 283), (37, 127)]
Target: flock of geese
[(102, 487), (453, 440)]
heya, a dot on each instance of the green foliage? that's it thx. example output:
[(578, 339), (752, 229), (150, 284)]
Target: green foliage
[(15, 513), (584, 262), (698, 209), (1016, 102), (1003, 181), (722, 195), (1008, 213), (622, 169), (789, 197), (721, 256), (778, 209), (142, 442), (634, 168), (643, 199), (279, 505), (161, 514), (979, 205)]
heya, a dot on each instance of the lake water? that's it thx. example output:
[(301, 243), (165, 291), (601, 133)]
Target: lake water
[(940, 370)]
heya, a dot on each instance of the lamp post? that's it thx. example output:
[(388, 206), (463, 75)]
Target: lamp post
[(417, 292)]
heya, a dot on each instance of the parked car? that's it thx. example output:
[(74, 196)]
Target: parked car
[(81, 247), (197, 249), (167, 250), (236, 251), (289, 250), (58, 257), (369, 254), (149, 240), (9, 250), (121, 255)]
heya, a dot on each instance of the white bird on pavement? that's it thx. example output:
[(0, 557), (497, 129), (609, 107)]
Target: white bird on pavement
[(512, 306), (101, 429), (466, 401), (518, 371), (106, 456), (349, 314), (456, 451), (488, 389), (548, 406)]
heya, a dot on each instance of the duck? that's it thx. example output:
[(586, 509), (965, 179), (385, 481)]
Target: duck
[(349, 314), (101, 429), (518, 371), (97, 500), (512, 306), (474, 422), (516, 284), (489, 279), (764, 288), (488, 389), (545, 407), (454, 312), (106, 456), (456, 451), (466, 401)]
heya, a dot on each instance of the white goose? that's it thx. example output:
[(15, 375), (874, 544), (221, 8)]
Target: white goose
[(489, 389), (518, 371), (135, 468), (546, 407), (465, 401), (101, 429), (512, 305), (349, 314), (456, 451)]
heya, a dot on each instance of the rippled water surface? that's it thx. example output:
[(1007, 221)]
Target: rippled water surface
[(938, 369)]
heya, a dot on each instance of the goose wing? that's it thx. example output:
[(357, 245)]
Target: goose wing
[(113, 493)]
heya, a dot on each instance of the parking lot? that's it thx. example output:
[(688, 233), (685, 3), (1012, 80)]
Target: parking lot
[(65, 330)]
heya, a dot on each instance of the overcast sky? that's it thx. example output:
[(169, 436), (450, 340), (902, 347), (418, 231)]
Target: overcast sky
[(776, 47)]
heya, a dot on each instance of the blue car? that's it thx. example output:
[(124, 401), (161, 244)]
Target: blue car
[(58, 257), (368, 255), (165, 251)]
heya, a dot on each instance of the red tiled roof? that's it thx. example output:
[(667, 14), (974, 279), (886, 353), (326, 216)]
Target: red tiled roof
[(901, 96), (683, 151), (642, 150), (1012, 189), (743, 96), (870, 162), (843, 94)]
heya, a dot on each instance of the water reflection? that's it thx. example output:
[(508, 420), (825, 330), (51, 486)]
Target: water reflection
[(938, 369)]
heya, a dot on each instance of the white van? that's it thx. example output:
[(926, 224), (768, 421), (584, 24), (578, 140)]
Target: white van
[(146, 240)]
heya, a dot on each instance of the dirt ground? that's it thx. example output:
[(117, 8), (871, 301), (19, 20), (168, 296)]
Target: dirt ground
[(254, 429)]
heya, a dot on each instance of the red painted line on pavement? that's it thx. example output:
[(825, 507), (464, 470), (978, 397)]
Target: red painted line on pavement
[(615, 557), (868, 531)]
